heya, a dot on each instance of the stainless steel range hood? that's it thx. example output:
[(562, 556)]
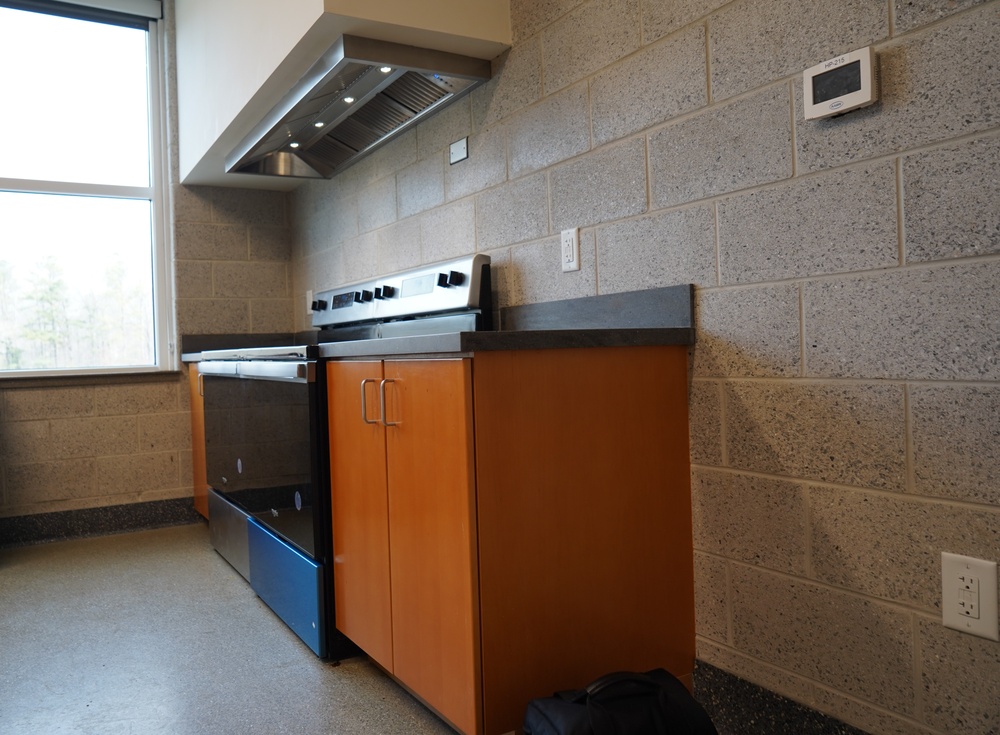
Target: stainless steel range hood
[(358, 96)]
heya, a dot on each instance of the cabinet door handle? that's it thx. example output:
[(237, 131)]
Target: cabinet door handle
[(381, 392), (201, 384), (364, 402)]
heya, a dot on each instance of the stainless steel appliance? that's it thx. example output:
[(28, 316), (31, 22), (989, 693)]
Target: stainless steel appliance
[(360, 94), (266, 434), (269, 509)]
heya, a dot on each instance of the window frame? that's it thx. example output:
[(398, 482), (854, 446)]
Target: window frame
[(157, 193)]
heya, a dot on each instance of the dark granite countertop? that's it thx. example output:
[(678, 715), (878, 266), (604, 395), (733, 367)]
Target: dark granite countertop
[(660, 316)]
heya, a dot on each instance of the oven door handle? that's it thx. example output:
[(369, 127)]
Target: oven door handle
[(285, 372)]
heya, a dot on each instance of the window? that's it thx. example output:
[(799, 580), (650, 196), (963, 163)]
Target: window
[(85, 281)]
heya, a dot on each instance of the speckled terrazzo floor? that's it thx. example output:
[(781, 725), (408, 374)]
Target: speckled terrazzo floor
[(153, 632)]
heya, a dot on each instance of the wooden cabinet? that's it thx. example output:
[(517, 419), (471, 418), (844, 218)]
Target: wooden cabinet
[(524, 528), (198, 463), (404, 525)]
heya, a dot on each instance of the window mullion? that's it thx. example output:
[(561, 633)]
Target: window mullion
[(31, 186)]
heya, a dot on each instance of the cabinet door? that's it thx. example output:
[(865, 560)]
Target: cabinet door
[(432, 535), (360, 508), (198, 462)]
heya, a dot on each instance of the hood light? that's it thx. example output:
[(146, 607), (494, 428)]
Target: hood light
[(385, 69), (293, 144), (318, 124), (348, 100)]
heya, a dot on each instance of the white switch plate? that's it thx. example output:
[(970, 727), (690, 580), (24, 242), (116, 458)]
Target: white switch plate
[(570, 250), (309, 302), (969, 595), (459, 151)]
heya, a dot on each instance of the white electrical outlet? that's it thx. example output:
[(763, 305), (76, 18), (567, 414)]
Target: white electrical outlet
[(309, 301), (969, 595), (570, 250)]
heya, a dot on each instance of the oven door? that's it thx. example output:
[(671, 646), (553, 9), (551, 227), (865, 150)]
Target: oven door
[(260, 445)]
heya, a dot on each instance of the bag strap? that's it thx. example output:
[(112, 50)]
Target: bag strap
[(625, 695), (618, 680)]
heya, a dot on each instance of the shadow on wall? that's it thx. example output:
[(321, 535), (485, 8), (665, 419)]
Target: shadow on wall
[(813, 555), (775, 439)]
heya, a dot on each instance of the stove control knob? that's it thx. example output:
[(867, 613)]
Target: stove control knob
[(378, 293), (452, 278), (357, 297), (319, 305), (388, 292), (367, 295)]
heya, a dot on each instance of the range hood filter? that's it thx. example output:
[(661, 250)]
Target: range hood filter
[(358, 96)]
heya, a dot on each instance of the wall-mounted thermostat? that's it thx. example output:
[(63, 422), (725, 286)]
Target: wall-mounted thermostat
[(838, 85)]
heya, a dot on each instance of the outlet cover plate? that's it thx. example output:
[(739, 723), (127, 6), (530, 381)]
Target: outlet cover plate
[(954, 569), (459, 151), (569, 249)]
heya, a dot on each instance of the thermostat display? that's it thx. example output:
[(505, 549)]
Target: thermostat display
[(840, 84)]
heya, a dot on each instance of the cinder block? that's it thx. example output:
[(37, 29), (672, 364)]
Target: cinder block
[(754, 520), (890, 546), (748, 332), (486, 165), (516, 83), (662, 18), (935, 323), (850, 434), (951, 201), (536, 273), (420, 186), (377, 205), (754, 43), (449, 231), (722, 149), (593, 36), (711, 602), (515, 212), (705, 418), (959, 675), (910, 15), (838, 639), (199, 241), (650, 87), (555, 129), (249, 280), (839, 221), (661, 249), (956, 442), (603, 185)]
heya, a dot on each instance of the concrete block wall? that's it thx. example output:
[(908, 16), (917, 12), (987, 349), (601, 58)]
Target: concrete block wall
[(844, 392), (78, 445), (231, 255)]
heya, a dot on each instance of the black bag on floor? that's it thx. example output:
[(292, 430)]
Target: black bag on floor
[(654, 703)]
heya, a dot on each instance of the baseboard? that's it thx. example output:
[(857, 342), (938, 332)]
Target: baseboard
[(738, 707), (69, 524)]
